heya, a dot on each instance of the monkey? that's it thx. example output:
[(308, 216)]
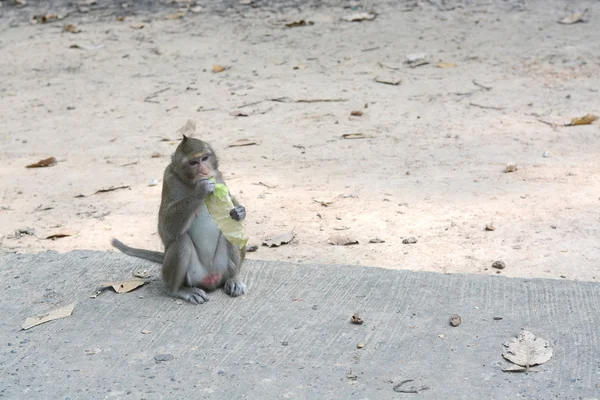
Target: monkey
[(197, 257)]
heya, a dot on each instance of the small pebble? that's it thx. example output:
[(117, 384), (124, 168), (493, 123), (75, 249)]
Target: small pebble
[(153, 182), (546, 154), (409, 240), (499, 265), (455, 320), (360, 345), (163, 357)]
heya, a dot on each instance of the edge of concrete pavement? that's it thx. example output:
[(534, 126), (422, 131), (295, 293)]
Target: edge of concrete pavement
[(290, 336)]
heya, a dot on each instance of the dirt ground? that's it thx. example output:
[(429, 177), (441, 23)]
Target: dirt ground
[(431, 166)]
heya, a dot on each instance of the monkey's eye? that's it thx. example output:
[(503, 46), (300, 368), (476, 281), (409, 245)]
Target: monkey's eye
[(193, 162), (205, 158)]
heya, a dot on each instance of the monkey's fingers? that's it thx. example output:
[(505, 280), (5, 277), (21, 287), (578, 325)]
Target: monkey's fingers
[(234, 287), (238, 213), (193, 295)]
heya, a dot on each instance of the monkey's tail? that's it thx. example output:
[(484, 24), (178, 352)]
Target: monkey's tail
[(155, 256)]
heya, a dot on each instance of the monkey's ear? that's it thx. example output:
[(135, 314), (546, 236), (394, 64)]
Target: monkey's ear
[(184, 137)]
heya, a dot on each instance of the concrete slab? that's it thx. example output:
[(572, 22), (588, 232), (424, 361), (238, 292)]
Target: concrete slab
[(290, 337)]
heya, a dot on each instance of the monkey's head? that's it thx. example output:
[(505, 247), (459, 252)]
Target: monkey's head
[(195, 160)]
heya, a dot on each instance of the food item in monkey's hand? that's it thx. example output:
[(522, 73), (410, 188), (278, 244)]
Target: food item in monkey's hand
[(219, 206)]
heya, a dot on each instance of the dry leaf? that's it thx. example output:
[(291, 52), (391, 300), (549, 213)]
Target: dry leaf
[(124, 286), (42, 19), (238, 113), (446, 65), (71, 28), (527, 350), (510, 168), (357, 113), (280, 240), (356, 320), (52, 315), (176, 15), (61, 234), (188, 129), (340, 240), (142, 274), (388, 81), (219, 68), (354, 136), (324, 203), (296, 24), (585, 120), (573, 18), (48, 162), (136, 25), (518, 368), (242, 142), (360, 17)]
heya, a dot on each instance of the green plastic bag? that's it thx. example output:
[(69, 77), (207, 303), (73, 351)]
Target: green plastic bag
[(219, 206)]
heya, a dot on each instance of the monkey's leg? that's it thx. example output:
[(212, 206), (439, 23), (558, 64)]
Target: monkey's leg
[(233, 284), (178, 258)]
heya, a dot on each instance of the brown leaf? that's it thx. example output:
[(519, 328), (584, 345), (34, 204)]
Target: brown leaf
[(48, 162), (124, 286), (357, 17), (42, 19), (243, 142), (356, 320), (446, 65), (61, 234), (573, 18), (511, 168), (357, 113), (280, 240), (178, 15), (52, 315), (296, 24), (136, 25), (238, 113), (71, 28), (388, 81), (585, 120), (341, 240), (354, 136), (219, 68)]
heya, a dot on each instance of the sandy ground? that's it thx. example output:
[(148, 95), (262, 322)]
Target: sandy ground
[(431, 166)]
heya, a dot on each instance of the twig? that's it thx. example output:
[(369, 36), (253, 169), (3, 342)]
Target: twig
[(398, 387), (370, 49), (551, 124), (251, 104), (387, 66), (320, 100), (128, 164), (486, 107), (482, 86), (148, 99), (265, 185)]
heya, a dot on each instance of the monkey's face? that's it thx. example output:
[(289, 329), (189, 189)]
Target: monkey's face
[(199, 166), (195, 160)]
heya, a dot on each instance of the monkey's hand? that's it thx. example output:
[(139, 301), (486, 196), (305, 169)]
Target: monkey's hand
[(238, 213), (204, 188)]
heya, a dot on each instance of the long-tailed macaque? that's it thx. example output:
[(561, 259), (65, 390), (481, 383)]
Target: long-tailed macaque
[(197, 256)]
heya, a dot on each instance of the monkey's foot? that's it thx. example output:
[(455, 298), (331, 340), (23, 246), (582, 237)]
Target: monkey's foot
[(235, 287), (193, 295)]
